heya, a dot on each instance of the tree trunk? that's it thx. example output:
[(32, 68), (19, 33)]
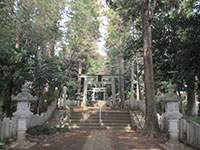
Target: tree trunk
[(190, 98), (19, 7), (122, 94), (79, 74), (151, 125), (132, 98), (198, 94), (121, 62)]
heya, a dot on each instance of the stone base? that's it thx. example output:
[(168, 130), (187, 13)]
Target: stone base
[(20, 146), (174, 146)]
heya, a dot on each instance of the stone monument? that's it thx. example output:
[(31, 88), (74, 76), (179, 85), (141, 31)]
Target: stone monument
[(172, 116), (22, 114)]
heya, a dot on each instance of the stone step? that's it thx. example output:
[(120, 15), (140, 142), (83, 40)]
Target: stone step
[(99, 128), (107, 114), (103, 120), (97, 110), (104, 112), (102, 124), (89, 119), (91, 108), (97, 117)]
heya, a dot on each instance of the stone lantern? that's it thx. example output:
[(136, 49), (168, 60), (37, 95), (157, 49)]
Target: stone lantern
[(22, 114), (172, 115)]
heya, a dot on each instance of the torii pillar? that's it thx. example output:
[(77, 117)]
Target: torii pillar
[(84, 103), (113, 91)]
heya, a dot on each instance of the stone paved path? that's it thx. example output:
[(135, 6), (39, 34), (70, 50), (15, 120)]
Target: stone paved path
[(98, 140)]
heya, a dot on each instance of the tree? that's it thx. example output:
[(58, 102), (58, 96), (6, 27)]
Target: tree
[(118, 34), (151, 124), (82, 32), (175, 50), (25, 39)]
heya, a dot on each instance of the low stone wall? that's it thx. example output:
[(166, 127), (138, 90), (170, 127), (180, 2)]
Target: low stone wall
[(8, 127), (62, 103), (137, 119), (41, 119), (189, 133), (141, 105)]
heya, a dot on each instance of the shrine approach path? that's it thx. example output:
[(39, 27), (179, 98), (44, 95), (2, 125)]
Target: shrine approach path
[(96, 140)]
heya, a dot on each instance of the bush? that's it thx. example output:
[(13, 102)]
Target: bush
[(4, 143), (46, 130), (194, 118)]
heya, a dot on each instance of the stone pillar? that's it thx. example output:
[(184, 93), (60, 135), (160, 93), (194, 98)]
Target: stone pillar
[(23, 114), (104, 94), (93, 94), (113, 91), (84, 103), (64, 96), (78, 99), (133, 102), (173, 115)]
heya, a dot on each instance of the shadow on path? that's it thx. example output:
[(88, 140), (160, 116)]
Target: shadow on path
[(96, 140)]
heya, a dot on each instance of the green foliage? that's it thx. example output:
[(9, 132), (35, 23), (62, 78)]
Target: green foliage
[(46, 130), (82, 31), (33, 26), (4, 143), (190, 119), (175, 44)]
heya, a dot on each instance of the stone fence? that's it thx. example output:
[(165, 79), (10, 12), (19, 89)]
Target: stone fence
[(63, 103), (8, 127), (189, 133), (171, 121), (141, 106)]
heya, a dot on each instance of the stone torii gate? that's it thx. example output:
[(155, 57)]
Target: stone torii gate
[(86, 83)]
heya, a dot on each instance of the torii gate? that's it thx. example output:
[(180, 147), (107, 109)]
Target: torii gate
[(99, 82)]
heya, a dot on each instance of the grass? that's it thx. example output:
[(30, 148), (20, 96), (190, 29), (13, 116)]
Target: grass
[(46, 130)]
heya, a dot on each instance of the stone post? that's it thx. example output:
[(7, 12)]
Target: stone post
[(173, 115), (64, 96), (22, 114), (78, 99), (133, 102), (113, 91), (84, 103), (104, 94), (93, 94)]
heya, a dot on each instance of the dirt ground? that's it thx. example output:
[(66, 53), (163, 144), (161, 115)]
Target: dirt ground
[(75, 140), (133, 140)]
